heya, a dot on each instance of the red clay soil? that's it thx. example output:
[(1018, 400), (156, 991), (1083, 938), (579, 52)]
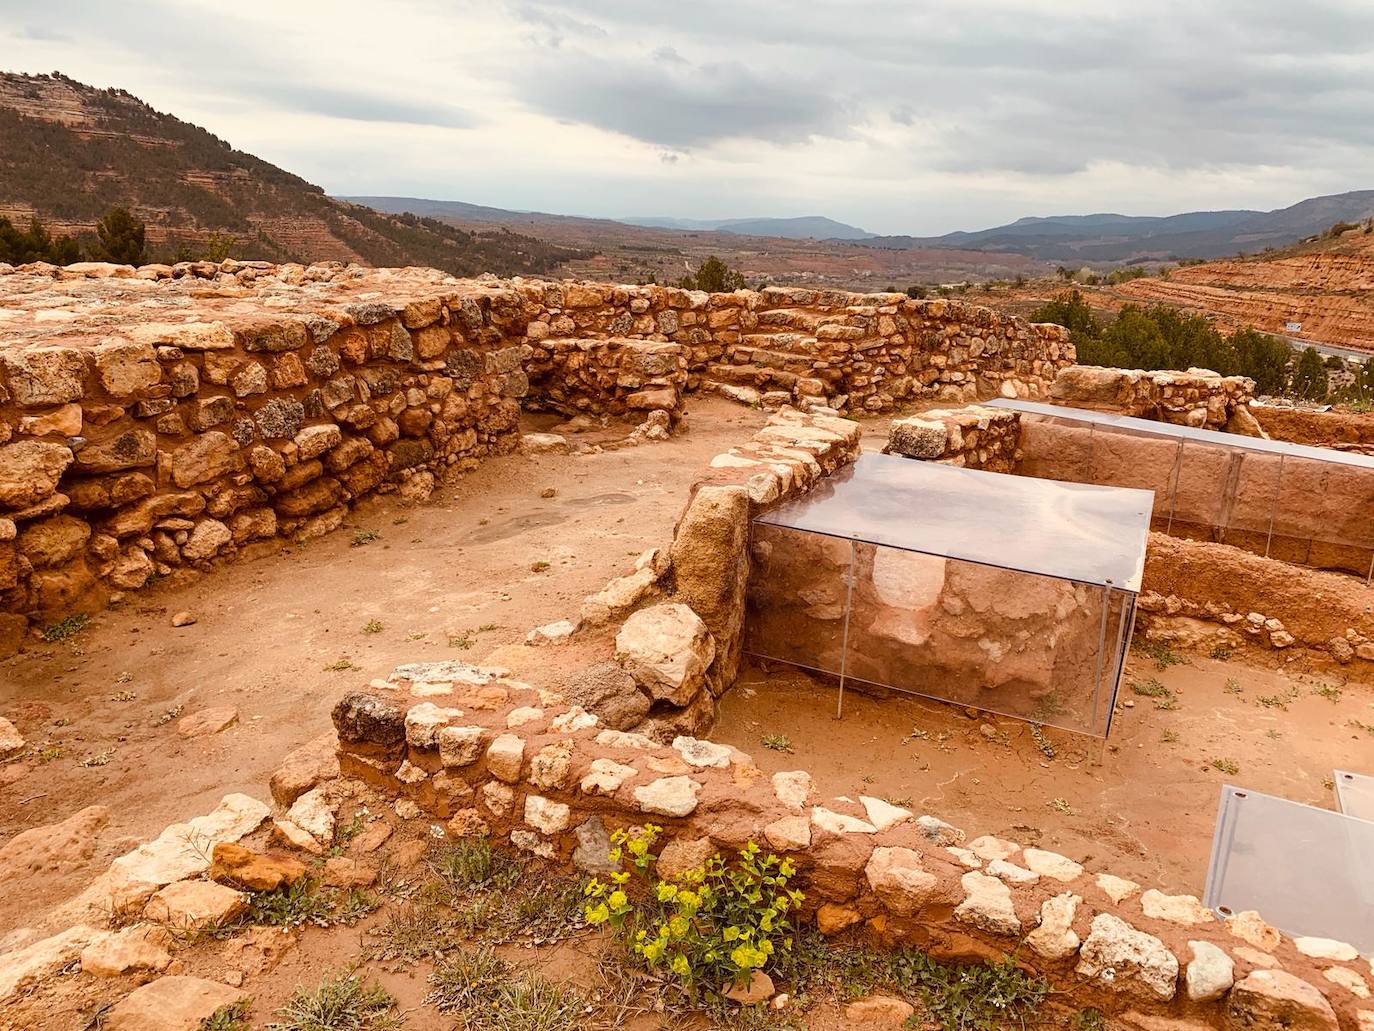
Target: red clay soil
[(1142, 807)]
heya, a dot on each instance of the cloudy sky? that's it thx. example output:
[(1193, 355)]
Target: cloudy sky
[(915, 116)]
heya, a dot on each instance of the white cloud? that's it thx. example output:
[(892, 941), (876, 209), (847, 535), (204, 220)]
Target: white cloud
[(919, 117)]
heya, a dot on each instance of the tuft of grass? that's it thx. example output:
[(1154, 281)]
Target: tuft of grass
[(1169, 737), (1222, 654), (488, 995), (356, 904), (233, 1017), (301, 903), (66, 628), (123, 696), (1273, 735), (777, 742), (487, 628), (1233, 686), (343, 1003), (341, 665), (372, 626), (168, 715), (1166, 704), (1088, 1020), (1368, 728), (470, 865), (1163, 655), (99, 759), (51, 754), (413, 932), (980, 997), (1151, 688), (459, 641), (363, 537), (1330, 692), (1227, 766), (539, 567), (1273, 701)]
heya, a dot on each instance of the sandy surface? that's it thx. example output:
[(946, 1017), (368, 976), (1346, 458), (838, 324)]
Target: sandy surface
[(451, 578), (1141, 806)]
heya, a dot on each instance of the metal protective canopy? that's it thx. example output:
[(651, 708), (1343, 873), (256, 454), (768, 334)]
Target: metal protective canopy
[(1307, 870), (1082, 532), (1169, 429)]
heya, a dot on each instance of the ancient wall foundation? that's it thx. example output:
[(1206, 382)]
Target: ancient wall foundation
[(168, 418), (1197, 397)]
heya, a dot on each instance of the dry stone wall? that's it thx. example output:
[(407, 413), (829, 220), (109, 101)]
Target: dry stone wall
[(1198, 397), (974, 436), (496, 757), (170, 417)]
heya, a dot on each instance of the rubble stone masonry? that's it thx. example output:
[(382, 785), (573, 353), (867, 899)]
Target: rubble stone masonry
[(173, 416)]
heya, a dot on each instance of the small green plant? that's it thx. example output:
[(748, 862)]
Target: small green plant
[(1273, 735), (1330, 692), (51, 754), (373, 626), (539, 567), (356, 904), (69, 627), (233, 1017), (1169, 737), (341, 665), (1227, 766), (777, 742), (124, 678), (1168, 704), (1273, 701), (709, 927), (977, 997), (301, 903), (1088, 1020), (99, 759), (1368, 728), (413, 932), (1151, 688), (343, 1003), (470, 865), (487, 628), (363, 537), (459, 641), (1233, 686), (488, 995), (168, 715), (1222, 654), (1163, 655), (123, 696)]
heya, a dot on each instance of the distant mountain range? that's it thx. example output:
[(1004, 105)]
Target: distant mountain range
[(1196, 234), (71, 152), (804, 227)]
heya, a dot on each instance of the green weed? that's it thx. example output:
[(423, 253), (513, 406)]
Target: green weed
[(342, 1003)]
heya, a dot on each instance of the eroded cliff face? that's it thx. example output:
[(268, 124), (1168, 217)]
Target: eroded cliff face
[(1330, 292)]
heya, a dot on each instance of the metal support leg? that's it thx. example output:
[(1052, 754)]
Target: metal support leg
[(1173, 492), (1274, 508), (844, 637)]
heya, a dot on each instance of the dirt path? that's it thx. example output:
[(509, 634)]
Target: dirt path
[(451, 578)]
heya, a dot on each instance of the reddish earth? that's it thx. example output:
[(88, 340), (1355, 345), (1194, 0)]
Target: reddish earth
[(1141, 807)]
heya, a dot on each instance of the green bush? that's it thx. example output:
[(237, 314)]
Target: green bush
[(710, 926), (713, 276)]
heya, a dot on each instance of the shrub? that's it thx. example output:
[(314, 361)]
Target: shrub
[(710, 926), (713, 276)]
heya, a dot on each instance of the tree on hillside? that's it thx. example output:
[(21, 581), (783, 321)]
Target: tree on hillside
[(18, 247), (1263, 358), (713, 276), (121, 237), (1309, 378)]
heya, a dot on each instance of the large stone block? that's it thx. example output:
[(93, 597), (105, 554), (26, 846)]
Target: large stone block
[(30, 471), (667, 649), (44, 375), (710, 563)]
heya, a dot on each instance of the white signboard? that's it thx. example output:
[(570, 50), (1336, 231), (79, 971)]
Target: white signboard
[(1293, 327)]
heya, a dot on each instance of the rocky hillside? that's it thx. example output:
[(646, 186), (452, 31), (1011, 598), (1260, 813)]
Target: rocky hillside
[(72, 151), (1326, 286)]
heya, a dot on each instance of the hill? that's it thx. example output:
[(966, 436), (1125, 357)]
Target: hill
[(71, 152), (1113, 238), (1325, 288), (804, 227)]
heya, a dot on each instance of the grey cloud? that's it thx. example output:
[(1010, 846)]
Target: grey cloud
[(677, 104)]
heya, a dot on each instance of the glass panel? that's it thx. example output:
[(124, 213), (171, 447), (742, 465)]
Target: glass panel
[(1251, 510), (1080, 532), (1033, 647), (1143, 461), (1056, 449), (1206, 480), (1305, 869), (1355, 794), (1343, 515), (796, 599)]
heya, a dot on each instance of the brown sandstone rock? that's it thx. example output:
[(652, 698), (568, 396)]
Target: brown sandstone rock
[(191, 905), (878, 1011), (207, 721), (174, 1003), (135, 948), (55, 541), (1277, 999), (711, 568), (29, 471), (57, 848), (239, 867), (667, 649), (304, 768)]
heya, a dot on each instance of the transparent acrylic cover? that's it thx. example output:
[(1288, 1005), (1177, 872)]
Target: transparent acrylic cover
[(1186, 433), (1308, 871), (1355, 796), (1082, 532)]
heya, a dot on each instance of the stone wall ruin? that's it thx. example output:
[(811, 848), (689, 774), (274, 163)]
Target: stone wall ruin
[(165, 418)]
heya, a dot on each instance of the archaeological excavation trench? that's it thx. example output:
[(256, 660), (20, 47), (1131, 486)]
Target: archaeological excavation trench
[(520, 559)]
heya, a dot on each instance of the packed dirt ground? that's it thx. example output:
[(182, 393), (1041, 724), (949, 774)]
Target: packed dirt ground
[(514, 545), (281, 639)]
